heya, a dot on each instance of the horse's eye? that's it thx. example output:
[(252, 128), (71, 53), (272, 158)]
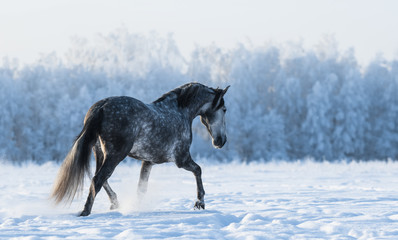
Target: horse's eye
[(224, 109)]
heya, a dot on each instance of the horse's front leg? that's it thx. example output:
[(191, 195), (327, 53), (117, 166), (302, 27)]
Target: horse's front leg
[(191, 166)]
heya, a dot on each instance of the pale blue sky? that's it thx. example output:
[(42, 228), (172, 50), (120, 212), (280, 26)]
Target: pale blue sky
[(28, 28)]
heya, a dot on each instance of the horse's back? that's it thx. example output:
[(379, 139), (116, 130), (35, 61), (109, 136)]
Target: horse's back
[(119, 118)]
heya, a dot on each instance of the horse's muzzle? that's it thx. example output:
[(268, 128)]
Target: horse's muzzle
[(219, 142)]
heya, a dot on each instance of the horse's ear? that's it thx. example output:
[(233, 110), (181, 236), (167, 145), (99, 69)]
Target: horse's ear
[(225, 90), (217, 98)]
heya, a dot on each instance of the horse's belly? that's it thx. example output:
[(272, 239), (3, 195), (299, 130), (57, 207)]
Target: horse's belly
[(159, 143), (151, 153)]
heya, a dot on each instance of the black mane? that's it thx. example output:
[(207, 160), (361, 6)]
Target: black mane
[(185, 94)]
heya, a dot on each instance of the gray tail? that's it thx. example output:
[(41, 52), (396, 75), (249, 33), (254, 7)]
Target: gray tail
[(71, 174)]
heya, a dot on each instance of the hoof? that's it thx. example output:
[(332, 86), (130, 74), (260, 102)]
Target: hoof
[(84, 214), (114, 206), (199, 205)]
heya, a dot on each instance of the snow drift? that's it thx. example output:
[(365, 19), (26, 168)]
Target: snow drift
[(276, 200)]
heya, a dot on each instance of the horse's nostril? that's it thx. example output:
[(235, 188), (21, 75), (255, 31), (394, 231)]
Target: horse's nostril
[(219, 142)]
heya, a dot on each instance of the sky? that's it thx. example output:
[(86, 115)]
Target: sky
[(30, 28)]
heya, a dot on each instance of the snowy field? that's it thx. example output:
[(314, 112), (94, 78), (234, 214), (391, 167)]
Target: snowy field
[(302, 200)]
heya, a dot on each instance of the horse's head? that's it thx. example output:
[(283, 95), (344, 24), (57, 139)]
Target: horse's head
[(213, 117)]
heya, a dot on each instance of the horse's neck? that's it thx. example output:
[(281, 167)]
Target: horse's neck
[(198, 107)]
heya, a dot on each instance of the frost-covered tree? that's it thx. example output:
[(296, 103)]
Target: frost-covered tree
[(209, 65), (9, 107), (291, 104), (377, 80), (351, 119), (257, 131), (386, 145), (318, 125)]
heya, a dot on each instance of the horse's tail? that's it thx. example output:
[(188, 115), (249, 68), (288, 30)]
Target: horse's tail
[(71, 174)]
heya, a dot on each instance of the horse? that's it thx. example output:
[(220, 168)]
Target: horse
[(155, 133)]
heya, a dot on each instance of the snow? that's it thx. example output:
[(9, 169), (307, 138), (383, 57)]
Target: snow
[(275, 200)]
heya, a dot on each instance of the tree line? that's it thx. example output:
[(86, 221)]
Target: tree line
[(285, 103)]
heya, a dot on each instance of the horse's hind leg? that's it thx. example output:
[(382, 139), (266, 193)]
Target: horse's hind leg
[(144, 175), (99, 157), (111, 160), (112, 196)]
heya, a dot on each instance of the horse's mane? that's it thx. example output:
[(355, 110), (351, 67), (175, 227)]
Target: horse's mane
[(184, 94)]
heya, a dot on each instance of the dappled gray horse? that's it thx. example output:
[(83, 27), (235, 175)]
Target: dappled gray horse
[(154, 133)]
